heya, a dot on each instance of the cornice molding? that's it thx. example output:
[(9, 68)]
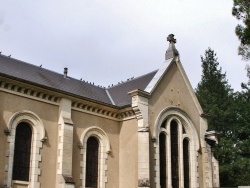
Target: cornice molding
[(118, 115), (86, 107), (29, 93), (139, 93)]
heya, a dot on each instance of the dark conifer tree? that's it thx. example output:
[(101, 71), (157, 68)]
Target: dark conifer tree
[(217, 100), (241, 165), (241, 10)]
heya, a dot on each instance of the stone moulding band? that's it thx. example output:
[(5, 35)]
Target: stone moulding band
[(27, 92), (103, 112), (52, 99)]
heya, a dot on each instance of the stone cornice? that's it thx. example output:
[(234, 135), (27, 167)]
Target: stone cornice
[(139, 93), (118, 115), (79, 105), (28, 92)]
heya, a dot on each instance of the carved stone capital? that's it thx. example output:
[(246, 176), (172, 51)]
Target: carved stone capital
[(140, 106), (144, 182), (6, 131)]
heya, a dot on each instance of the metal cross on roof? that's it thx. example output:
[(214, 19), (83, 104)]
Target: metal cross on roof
[(171, 38)]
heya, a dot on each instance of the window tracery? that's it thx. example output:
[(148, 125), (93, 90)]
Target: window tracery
[(181, 148)]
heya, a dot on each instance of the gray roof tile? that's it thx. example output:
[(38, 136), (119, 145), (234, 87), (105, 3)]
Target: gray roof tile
[(119, 93), (55, 81), (37, 75)]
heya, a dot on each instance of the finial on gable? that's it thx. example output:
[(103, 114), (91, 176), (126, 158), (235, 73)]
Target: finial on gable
[(171, 38), (171, 51)]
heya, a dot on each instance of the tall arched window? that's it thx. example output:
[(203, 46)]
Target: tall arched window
[(92, 162), (21, 164), (174, 154), (186, 163), (26, 138), (95, 143), (163, 162), (175, 130)]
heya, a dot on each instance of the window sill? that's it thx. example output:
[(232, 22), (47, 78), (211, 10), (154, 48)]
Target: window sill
[(20, 182)]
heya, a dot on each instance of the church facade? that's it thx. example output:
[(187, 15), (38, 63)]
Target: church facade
[(59, 132)]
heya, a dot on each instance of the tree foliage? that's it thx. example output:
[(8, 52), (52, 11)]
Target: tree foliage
[(241, 10), (229, 115), (241, 165), (215, 94)]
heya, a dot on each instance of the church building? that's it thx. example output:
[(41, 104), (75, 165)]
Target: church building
[(59, 132)]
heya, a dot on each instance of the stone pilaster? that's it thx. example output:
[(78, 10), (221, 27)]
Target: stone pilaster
[(65, 146), (212, 141), (208, 183), (206, 175), (216, 179), (140, 107)]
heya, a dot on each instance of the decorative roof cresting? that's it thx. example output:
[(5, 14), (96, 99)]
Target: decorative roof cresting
[(171, 51)]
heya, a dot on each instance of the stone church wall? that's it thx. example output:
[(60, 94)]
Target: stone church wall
[(128, 170), (49, 116), (83, 121)]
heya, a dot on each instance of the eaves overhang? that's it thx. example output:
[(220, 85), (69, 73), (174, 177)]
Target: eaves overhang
[(63, 92)]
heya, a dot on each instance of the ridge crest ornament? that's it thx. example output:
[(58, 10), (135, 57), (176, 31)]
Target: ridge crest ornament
[(171, 38), (171, 52)]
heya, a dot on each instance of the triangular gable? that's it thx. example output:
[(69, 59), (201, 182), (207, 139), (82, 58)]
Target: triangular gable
[(189, 86), (158, 76), (163, 71)]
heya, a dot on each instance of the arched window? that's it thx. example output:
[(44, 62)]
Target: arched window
[(186, 163), (26, 138), (21, 164), (163, 162), (176, 146), (174, 154), (95, 149), (92, 162)]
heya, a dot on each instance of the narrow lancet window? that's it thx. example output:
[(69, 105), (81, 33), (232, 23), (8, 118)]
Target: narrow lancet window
[(92, 162), (163, 156), (21, 164), (174, 154), (186, 163)]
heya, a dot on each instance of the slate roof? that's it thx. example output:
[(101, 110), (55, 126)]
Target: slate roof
[(119, 92), (33, 74)]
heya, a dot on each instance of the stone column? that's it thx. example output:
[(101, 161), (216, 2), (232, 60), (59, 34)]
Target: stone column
[(65, 146), (140, 107)]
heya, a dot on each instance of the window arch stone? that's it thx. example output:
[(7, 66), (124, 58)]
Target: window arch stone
[(166, 116), (38, 136), (104, 150)]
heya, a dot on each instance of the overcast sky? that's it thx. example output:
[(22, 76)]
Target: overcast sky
[(109, 41)]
